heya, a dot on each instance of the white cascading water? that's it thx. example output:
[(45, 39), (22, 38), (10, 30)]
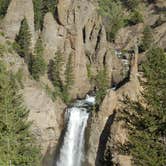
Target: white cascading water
[(72, 150)]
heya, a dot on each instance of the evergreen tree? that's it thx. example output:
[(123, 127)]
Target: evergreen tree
[(147, 125), (38, 14), (147, 40), (16, 141), (112, 13), (49, 6), (37, 65), (41, 7), (69, 80), (3, 7), (102, 84), (24, 41), (135, 18), (54, 73)]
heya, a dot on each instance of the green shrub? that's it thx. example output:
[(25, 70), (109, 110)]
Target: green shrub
[(2, 33), (2, 49), (135, 18)]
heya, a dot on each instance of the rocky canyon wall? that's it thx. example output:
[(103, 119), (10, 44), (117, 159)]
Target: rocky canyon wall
[(76, 29)]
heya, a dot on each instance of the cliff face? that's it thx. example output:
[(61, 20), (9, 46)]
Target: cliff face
[(77, 30)]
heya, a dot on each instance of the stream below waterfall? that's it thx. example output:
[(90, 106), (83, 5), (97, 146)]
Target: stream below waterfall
[(72, 149)]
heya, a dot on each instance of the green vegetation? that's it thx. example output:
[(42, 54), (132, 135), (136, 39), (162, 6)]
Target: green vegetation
[(61, 89), (102, 84), (112, 13), (41, 7), (2, 49), (147, 40), (49, 6), (55, 68), (17, 145), (37, 64), (131, 4), (23, 41), (38, 15), (147, 124), (3, 7), (69, 79), (135, 18), (19, 78)]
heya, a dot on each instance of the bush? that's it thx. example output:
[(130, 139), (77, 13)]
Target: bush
[(135, 18), (2, 49)]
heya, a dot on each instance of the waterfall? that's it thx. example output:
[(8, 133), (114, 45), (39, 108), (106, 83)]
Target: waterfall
[(72, 150)]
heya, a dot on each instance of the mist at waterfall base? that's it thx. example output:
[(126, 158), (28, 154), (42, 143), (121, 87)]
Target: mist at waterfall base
[(72, 150)]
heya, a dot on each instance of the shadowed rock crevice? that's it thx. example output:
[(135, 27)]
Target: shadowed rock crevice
[(101, 159)]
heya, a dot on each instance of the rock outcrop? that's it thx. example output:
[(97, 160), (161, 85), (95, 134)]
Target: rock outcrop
[(83, 37), (77, 30), (17, 10), (105, 131)]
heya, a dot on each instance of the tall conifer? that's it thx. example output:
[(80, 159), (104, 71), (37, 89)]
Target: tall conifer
[(24, 41), (16, 141)]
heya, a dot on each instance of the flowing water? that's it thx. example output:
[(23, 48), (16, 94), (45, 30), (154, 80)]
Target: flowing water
[(72, 150)]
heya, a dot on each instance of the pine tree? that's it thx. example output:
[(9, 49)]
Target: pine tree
[(38, 14), (54, 72), (102, 83), (49, 6), (24, 41), (147, 125), (3, 7), (113, 18), (147, 40), (16, 141), (37, 65), (41, 7)]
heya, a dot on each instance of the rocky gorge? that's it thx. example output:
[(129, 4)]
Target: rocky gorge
[(77, 29)]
